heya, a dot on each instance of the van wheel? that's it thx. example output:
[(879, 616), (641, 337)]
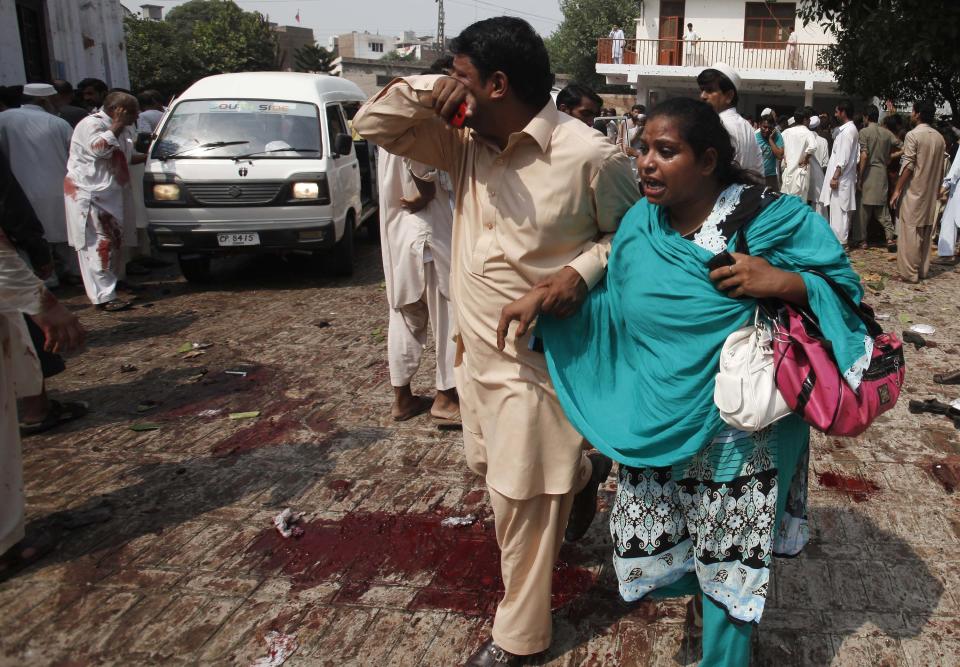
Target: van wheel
[(195, 269), (343, 251)]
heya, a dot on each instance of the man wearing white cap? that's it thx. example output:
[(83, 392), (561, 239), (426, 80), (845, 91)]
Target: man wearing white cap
[(718, 88), (37, 143), (817, 165)]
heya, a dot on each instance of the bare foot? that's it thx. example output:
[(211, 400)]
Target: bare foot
[(408, 407)]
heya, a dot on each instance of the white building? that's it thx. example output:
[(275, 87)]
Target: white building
[(749, 36), (370, 46), (41, 40)]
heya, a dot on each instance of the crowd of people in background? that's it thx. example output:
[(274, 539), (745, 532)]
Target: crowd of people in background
[(868, 172)]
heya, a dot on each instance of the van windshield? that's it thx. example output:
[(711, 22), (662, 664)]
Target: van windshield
[(256, 129)]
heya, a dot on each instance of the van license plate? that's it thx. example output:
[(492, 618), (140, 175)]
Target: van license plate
[(249, 238)]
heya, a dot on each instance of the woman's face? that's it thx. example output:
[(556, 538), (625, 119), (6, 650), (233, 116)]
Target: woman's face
[(670, 171)]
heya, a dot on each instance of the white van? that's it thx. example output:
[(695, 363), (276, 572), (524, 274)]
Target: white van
[(259, 162)]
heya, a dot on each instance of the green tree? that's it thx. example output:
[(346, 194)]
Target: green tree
[(904, 49), (149, 45), (573, 45), (198, 38), (397, 57), (313, 58)]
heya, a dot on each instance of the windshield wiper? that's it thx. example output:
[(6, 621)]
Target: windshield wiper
[(276, 150), (206, 146)]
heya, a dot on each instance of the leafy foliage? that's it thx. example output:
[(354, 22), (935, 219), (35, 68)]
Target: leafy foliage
[(313, 58), (197, 39), (573, 46), (904, 49)]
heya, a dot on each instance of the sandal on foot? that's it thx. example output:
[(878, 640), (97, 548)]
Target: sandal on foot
[(114, 306), (448, 421), (59, 413)]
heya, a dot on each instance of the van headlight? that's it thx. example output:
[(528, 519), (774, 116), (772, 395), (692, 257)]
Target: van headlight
[(306, 191), (166, 191)]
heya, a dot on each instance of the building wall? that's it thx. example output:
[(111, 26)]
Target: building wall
[(358, 45), (372, 75), (11, 53), (718, 20), (84, 39), (290, 38)]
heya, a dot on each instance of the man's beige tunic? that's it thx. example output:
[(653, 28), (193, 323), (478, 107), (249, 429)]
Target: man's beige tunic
[(552, 198), (923, 150)]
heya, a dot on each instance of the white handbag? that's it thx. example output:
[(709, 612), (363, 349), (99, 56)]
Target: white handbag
[(746, 392)]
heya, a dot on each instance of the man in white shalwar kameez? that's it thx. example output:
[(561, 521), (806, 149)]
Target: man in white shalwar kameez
[(617, 44), (37, 143), (840, 191), (799, 145), (819, 162), (98, 197), (946, 245), (416, 225), (21, 292)]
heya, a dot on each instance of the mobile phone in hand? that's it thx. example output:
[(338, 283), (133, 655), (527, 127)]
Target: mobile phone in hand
[(460, 117), (723, 258)]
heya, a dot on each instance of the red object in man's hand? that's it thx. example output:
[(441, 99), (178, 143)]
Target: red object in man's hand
[(460, 117)]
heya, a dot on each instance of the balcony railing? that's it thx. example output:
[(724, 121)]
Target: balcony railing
[(739, 55)]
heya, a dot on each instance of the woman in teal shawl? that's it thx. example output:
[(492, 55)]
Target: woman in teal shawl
[(701, 507)]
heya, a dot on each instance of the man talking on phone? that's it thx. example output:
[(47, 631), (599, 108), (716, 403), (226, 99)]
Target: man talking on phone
[(538, 195)]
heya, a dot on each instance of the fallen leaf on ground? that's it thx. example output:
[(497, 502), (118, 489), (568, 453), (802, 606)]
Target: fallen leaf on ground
[(904, 318), (245, 415), (144, 427), (186, 347)]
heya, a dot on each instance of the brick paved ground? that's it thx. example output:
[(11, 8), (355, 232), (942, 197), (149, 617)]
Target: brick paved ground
[(187, 569)]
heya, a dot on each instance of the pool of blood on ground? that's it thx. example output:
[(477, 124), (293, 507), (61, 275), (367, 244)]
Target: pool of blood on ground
[(363, 549), (859, 488)]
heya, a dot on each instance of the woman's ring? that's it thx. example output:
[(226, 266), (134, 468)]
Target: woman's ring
[(731, 269)]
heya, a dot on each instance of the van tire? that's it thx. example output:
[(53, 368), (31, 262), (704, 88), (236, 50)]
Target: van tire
[(343, 251), (195, 269)]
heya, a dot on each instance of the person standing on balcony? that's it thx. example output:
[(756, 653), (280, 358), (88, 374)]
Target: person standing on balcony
[(718, 88), (618, 37), (690, 39), (793, 60), (839, 193)]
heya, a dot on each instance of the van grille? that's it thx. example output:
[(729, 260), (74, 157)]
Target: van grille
[(227, 194)]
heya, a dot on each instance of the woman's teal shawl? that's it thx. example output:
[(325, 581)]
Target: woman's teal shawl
[(634, 369)]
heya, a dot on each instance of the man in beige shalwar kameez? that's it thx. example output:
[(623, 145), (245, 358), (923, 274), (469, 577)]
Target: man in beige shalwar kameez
[(538, 195), (918, 187)]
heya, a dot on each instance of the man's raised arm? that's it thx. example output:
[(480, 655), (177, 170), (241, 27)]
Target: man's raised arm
[(401, 120)]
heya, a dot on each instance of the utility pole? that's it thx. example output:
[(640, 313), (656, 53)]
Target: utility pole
[(441, 21)]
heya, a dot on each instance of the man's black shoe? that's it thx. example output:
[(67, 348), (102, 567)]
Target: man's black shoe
[(491, 655), (585, 502)]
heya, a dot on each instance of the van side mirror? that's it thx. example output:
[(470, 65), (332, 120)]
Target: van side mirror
[(142, 144), (343, 144)]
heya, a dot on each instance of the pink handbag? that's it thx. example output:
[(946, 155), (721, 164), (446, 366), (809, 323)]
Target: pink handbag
[(811, 382)]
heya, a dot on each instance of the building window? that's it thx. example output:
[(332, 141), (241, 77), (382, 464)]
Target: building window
[(384, 79), (376, 47), (767, 25)]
